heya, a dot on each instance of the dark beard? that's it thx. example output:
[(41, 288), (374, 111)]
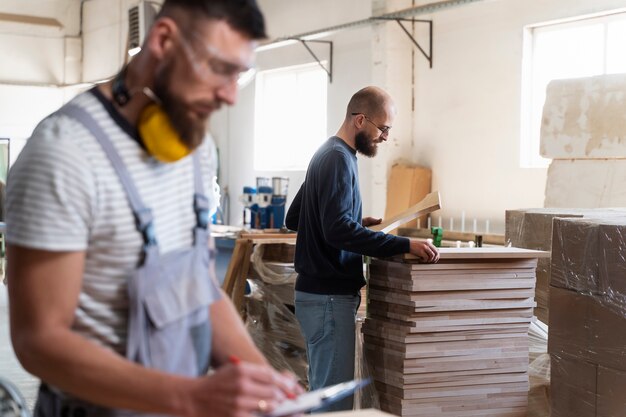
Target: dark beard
[(191, 131), (365, 145)]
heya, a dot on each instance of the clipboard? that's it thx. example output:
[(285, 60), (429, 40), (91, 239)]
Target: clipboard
[(318, 398)]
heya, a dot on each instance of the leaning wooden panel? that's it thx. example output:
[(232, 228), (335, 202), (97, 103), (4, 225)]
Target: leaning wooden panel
[(356, 413), (430, 203)]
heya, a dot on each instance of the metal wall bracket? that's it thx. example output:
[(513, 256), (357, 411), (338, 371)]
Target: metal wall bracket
[(328, 70), (429, 55)]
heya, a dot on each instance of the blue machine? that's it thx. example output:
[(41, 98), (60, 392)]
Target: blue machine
[(249, 202), (264, 207)]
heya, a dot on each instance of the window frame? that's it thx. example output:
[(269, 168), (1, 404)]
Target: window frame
[(530, 140), (259, 108)]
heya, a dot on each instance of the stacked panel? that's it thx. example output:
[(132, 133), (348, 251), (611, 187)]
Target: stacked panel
[(450, 339)]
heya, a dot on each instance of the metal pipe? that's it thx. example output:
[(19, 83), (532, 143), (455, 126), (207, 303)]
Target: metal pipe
[(413, 11)]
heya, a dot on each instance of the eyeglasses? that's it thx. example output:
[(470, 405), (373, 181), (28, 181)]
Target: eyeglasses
[(214, 63), (383, 129)]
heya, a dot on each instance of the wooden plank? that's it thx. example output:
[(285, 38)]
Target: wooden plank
[(439, 325), (393, 360), (399, 379), (409, 277), (415, 298), (460, 264), (446, 284), (376, 328), (288, 238), (442, 349), (234, 265), (486, 294), (406, 274), (465, 399), (503, 407), (242, 276), (483, 358), (235, 280), (429, 204), (453, 391), (409, 313), (261, 236), (356, 413), (469, 380), (442, 320), (486, 253), (453, 305), (413, 330), (405, 270), (407, 185), (520, 411)]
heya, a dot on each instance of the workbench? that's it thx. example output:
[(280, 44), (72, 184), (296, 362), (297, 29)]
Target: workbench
[(239, 267)]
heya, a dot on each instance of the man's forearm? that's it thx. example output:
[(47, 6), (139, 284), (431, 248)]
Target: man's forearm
[(95, 374)]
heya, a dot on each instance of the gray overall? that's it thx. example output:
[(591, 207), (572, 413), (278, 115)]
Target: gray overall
[(169, 327)]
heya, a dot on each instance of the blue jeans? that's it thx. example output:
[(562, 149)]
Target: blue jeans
[(328, 325)]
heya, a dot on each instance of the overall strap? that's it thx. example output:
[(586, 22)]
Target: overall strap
[(143, 215)]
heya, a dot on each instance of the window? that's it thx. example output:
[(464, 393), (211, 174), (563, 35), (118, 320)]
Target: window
[(290, 117), (581, 48)]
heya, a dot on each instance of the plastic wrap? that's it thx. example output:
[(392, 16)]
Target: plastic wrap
[(272, 272), (12, 402), (273, 324), (587, 342), (366, 397), (532, 229), (538, 371), (275, 330)]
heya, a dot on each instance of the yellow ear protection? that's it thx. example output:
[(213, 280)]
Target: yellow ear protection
[(157, 134), (159, 137)]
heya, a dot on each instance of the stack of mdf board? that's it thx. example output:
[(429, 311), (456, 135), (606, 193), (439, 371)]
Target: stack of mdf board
[(583, 131), (587, 342), (451, 339), (532, 229)]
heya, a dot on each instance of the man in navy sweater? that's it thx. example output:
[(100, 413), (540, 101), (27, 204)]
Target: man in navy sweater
[(333, 236)]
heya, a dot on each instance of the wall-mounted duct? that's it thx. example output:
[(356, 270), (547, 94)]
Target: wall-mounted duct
[(140, 18)]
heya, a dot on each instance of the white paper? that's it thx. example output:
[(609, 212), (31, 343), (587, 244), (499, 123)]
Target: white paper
[(314, 399)]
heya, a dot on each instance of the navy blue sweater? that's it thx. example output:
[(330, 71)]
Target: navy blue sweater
[(326, 212)]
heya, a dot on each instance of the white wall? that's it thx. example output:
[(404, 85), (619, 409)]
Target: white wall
[(233, 128), (467, 109), (105, 32), (36, 54), (35, 59)]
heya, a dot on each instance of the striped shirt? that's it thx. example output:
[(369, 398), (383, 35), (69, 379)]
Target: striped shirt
[(64, 195)]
